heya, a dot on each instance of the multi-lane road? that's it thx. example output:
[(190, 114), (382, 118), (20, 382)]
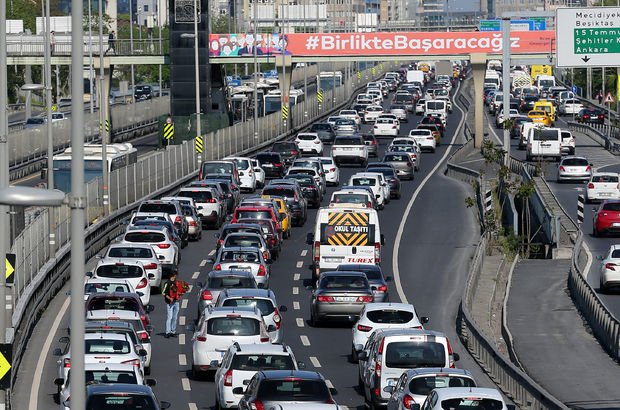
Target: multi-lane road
[(430, 236)]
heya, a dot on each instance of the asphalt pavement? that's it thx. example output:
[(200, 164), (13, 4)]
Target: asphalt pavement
[(438, 234)]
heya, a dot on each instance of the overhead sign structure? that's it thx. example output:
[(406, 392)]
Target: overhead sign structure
[(515, 25), (590, 37)]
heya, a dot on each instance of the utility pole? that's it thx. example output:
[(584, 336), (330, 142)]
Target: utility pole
[(103, 117), (506, 84)]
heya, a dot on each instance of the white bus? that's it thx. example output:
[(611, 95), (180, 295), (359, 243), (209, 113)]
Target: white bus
[(118, 156), (272, 101), (330, 79)]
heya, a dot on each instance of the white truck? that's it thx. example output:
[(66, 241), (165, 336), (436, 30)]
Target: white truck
[(415, 75)]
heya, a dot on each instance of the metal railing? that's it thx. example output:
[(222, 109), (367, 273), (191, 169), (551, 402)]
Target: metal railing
[(605, 135), (33, 45)]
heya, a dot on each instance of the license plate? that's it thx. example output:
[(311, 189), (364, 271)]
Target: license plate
[(332, 260), (616, 224), (605, 194), (347, 149), (345, 298)]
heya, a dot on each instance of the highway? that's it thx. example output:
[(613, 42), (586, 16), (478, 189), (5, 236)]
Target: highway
[(437, 235)]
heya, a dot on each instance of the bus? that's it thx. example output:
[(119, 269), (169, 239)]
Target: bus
[(330, 79), (273, 100), (118, 156)]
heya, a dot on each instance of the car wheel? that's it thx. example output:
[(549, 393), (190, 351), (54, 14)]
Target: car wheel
[(196, 374), (601, 288), (594, 231), (354, 358), (313, 321), (218, 406), (147, 370)]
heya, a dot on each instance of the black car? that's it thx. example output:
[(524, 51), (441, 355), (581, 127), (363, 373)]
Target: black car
[(309, 188), (122, 396), (375, 276), (390, 176), (527, 102), (325, 131), (143, 92), (272, 163), (430, 120), (292, 194), (229, 194), (590, 116), (289, 151), (360, 107)]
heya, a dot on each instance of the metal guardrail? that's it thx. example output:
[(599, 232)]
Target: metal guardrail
[(39, 275), (34, 45), (600, 134)]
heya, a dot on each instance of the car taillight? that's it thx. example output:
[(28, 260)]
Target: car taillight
[(212, 201), (228, 378), (278, 165), (193, 223), (327, 299), (150, 266), (332, 170), (295, 152), (265, 255), (201, 338), (272, 241), (257, 405), (220, 242), (363, 328), (382, 288), (277, 318), (233, 186), (66, 363), (590, 185), (562, 168), (265, 339), (409, 165), (430, 138), (408, 401), (217, 267), (144, 320), (261, 271), (365, 299), (134, 362), (588, 168), (610, 266), (144, 336), (163, 245), (601, 116), (450, 354), (142, 284), (177, 220), (206, 295), (378, 373), (317, 142), (377, 253)]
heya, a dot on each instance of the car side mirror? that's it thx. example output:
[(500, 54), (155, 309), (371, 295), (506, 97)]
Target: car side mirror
[(200, 208), (388, 389), (424, 319), (238, 390), (309, 238), (151, 382), (161, 257), (211, 261), (214, 363), (59, 381), (150, 308), (415, 406), (333, 391), (151, 276), (64, 340), (456, 357), (99, 256), (362, 356), (166, 405), (301, 365), (89, 274), (241, 174), (142, 353), (599, 257), (271, 328), (382, 239), (149, 328)]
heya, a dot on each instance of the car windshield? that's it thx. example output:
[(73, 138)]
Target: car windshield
[(575, 162), (119, 271), (423, 385), (105, 287), (233, 325), (412, 354), (239, 256), (256, 362), (120, 400), (344, 282), (264, 305), (293, 389), (138, 253), (605, 178), (389, 316), (110, 346), (471, 403), (612, 206), (227, 282)]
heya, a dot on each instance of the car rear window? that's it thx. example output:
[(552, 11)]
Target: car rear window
[(350, 198), (107, 346), (138, 253), (605, 178), (306, 137), (546, 135), (110, 376), (105, 287), (268, 158), (364, 182), (417, 133), (239, 256), (436, 105), (120, 400), (344, 282), (151, 207), (471, 403), (304, 179), (112, 303), (199, 195), (389, 316), (254, 362), (119, 271), (264, 305), (284, 147), (321, 127), (412, 354), (611, 206), (243, 241), (253, 214), (233, 325), (279, 191), (576, 162), (227, 282), (423, 385), (242, 163), (293, 389), (348, 141)]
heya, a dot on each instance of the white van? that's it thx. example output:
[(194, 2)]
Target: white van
[(436, 108), (345, 235), (544, 82), (544, 142)]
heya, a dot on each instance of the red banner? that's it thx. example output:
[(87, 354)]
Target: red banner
[(385, 44)]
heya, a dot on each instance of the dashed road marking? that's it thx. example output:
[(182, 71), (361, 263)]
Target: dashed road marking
[(329, 384), (212, 252), (203, 262), (184, 303), (304, 340), (195, 275), (300, 322), (297, 276), (304, 252), (182, 320), (194, 406), (300, 264), (315, 361), (296, 305), (295, 290), (182, 360), (182, 338), (185, 383)]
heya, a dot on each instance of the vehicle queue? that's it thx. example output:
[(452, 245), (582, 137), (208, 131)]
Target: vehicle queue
[(238, 340)]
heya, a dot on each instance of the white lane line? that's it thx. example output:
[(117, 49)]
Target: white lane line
[(403, 221), (297, 276), (194, 406), (212, 253), (300, 264), (189, 288), (195, 275), (304, 340), (315, 361), (36, 382), (184, 303), (329, 384), (181, 338), (295, 290), (300, 322), (182, 360), (182, 320), (304, 252), (185, 383), (203, 262), (296, 305)]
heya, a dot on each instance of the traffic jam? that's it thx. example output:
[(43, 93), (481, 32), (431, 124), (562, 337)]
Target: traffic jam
[(326, 190)]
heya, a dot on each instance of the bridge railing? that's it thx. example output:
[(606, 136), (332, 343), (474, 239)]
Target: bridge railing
[(31, 45)]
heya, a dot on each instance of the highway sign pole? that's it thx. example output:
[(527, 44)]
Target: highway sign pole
[(506, 84), (4, 178), (103, 109)]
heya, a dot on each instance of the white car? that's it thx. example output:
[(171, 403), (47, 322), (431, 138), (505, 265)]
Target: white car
[(499, 120), (569, 107), (247, 177), (372, 112), (351, 114), (465, 397), (610, 269), (382, 316), (141, 252), (424, 138), (309, 143), (131, 270), (420, 106), (373, 182), (160, 240), (219, 328), (92, 286), (332, 172), (601, 186), (259, 172), (385, 126)]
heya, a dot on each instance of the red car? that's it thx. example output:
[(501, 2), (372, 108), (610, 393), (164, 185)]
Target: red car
[(257, 212), (607, 218)]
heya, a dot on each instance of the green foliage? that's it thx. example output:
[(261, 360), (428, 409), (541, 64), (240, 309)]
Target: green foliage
[(525, 189), (510, 243), (470, 201), (220, 24), (492, 154)]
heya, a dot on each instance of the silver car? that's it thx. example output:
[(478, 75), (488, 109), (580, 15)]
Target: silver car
[(574, 169), (220, 280), (402, 163), (244, 259), (340, 295)]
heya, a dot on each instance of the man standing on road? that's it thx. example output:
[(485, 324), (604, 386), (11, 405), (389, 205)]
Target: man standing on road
[(172, 291)]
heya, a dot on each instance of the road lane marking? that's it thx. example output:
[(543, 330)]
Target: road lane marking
[(203, 262), (296, 305), (304, 340), (295, 290), (300, 322), (182, 360), (194, 406), (184, 304), (185, 383), (182, 320), (315, 361), (329, 384), (297, 276), (403, 221), (181, 338), (300, 264), (212, 253), (304, 252), (36, 382), (195, 275)]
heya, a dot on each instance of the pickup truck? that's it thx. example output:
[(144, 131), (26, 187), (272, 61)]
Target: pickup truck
[(350, 148)]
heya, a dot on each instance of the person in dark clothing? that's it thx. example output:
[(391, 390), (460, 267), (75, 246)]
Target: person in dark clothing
[(111, 42)]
